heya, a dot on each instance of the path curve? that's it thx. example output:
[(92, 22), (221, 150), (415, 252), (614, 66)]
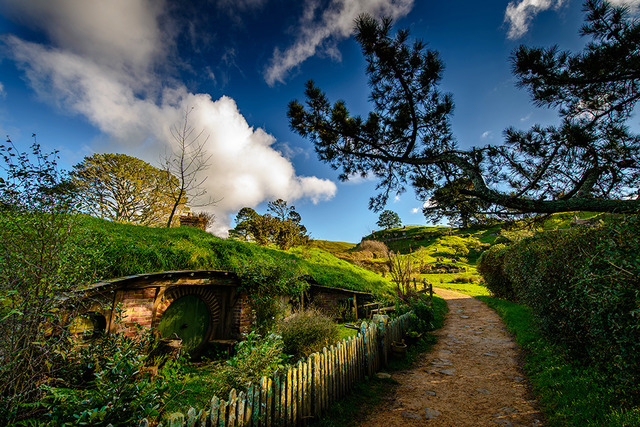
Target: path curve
[(470, 378)]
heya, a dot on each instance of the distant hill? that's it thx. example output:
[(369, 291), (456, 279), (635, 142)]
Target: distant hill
[(446, 254)]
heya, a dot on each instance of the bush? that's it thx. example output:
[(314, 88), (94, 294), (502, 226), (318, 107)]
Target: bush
[(256, 357), (491, 266), (266, 282), (582, 285), (306, 332), (375, 248), (423, 316), (104, 383)]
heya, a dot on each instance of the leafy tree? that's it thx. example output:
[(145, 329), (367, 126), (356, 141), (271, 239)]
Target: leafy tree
[(119, 187), (590, 161), (389, 219), (186, 163), (282, 228), (289, 230), (243, 224), (43, 254)]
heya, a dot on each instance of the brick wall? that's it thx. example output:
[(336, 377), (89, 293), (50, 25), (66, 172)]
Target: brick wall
[(137, 308), (242, 316)]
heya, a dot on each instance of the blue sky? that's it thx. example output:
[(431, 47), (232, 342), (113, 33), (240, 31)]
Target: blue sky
[(89, 76)]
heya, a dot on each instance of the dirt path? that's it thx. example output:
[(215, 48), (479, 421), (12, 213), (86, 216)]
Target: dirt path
[(470, 378)]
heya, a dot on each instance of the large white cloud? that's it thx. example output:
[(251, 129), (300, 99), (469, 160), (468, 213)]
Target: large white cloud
[(110, 78), (333, 24)]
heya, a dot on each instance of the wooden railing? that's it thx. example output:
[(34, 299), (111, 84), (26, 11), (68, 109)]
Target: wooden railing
[(305, 390)]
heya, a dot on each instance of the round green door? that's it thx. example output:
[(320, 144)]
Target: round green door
[(188, 317)]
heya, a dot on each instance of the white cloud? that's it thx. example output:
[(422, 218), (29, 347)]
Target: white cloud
[(2, 92), (526, 118), (633, 4), (486, 134), (127, 100), (519, 15), (416, 210), (121, 35), (320, 33)]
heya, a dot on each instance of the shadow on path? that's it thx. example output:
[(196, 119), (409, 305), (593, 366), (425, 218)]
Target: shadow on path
[(470, 378)]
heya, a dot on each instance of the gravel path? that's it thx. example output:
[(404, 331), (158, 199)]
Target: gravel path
[(470, 378)]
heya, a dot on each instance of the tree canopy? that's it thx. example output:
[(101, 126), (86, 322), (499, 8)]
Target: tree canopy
[(589, 161), (389, 219), (119, 187), (281, 225)]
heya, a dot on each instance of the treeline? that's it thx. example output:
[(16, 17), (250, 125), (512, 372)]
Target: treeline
[(582, 287)]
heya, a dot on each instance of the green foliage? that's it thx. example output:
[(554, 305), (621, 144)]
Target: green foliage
[(423, 313), (491, 266), (389, 219), (117, 392), (306, 332), (582, 287), (266, 282), (119, 187), (281, 226), (43, 254), (256, 357)]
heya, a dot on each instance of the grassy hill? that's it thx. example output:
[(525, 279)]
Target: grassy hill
[(127, 249), (446, 256), (443, 255)]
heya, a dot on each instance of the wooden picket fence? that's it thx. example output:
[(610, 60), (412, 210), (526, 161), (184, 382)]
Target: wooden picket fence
[(305, 390)]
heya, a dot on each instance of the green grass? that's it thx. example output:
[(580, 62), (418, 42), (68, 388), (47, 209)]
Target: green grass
[(330, 246), (133, 249)]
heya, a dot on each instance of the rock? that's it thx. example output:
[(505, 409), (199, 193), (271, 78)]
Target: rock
[(411, 415), (509, 410), (383, 376), (483, 391), (431, 413), (430, 392), (490, 354), (502, 422), (464, 317), (447, 371)]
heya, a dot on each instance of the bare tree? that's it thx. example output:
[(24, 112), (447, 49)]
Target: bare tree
[(186, 161)]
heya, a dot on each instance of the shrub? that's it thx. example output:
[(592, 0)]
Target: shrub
[(582, 286), (375, 248), (256, 357), (491, 266), (423, 316), (43, 254), (267, 281), (104, 383), (306, 332)]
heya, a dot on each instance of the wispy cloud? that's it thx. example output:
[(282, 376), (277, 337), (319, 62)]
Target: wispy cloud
[(2, 92), (113, 77), (486, 134), (319, 31), (519, 15)]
